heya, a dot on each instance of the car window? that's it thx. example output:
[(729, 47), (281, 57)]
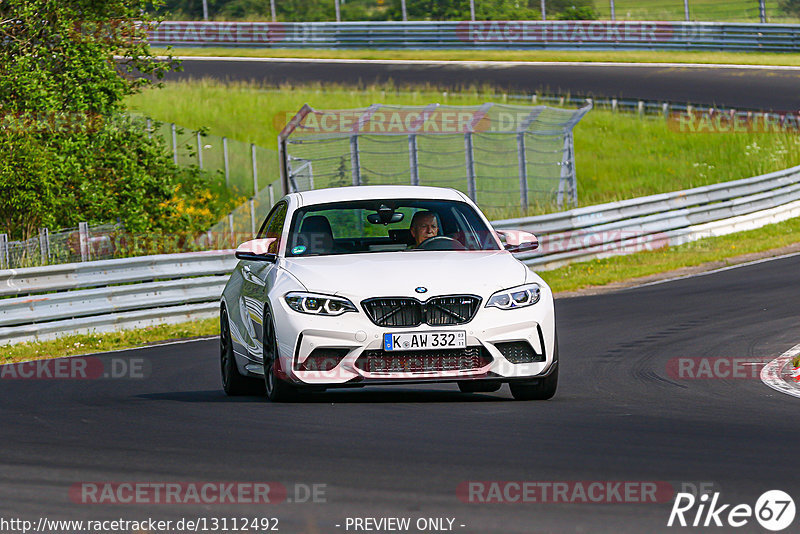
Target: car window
[(273, 226), (357, 227)]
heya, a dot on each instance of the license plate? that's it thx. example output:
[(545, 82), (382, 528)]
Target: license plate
[(424, 340)]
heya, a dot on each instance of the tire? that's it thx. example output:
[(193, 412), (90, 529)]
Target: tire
[(276, 389), (478, 386), (233, 382), (540, 388)]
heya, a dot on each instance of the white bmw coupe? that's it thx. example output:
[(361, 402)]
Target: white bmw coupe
[(374, 285)]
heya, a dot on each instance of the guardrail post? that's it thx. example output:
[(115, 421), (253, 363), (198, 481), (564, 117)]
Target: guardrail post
[(355, 160), (4, 251), (230, 226), (225, 162), (686, 9), (665, 109), (613, 13), (412, 158), (44, 245), (544, 11), (271, 196), (470, 156), (614, 105), (523, 172), (567, 190), (199, 150), (174, 145), (83, 235), (640, 108), (762, 11)]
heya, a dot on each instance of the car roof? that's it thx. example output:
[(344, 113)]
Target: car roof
[(370, 192)]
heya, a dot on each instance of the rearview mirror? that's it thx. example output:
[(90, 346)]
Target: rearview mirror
[(518, 241), (256, 250)]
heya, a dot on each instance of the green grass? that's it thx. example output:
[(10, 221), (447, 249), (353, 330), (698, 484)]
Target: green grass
[(699, 10), (735, 58), (619, 268), (74, 345), (618, 155)]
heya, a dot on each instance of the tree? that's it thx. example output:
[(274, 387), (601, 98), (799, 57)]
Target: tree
[(70, 154)]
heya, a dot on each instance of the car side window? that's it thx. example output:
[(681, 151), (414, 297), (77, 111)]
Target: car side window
[(274, 227)]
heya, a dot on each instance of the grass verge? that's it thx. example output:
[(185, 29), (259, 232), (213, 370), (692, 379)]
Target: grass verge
[(554, 56), (597, 273), (74, 345), (618, 155)]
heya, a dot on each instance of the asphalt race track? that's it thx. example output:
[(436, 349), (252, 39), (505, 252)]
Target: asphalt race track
[(740, 88), (403, 451)]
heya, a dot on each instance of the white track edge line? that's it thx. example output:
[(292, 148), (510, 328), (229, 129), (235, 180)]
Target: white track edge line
[(176, 342), (713, 271), (771, 373)]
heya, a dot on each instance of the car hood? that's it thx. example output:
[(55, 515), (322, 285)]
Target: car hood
[(361, 276)]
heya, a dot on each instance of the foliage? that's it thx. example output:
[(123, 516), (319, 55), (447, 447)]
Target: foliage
[(69, 153), (578, 13), (323, 10)]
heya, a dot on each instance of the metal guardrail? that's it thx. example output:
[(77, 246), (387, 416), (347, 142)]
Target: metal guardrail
[(561, 35), (106, 295), (655, 221), (43, 302)]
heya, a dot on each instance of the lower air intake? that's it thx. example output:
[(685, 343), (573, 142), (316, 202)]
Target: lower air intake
[(424, 361), (519, 352)]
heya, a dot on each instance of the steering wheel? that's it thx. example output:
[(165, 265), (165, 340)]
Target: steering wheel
[(441, 242)]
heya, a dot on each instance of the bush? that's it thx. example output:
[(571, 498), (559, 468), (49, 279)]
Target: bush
[(578, 13), (69, 153)]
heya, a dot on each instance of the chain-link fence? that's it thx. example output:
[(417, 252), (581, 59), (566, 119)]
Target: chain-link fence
[(84, 243), (250, 171), (510, 159)]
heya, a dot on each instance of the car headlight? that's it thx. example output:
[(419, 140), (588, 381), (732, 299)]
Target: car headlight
[(315, 304), (515, 297)]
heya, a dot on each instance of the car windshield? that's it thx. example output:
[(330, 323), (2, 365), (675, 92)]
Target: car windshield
[(390, 225)]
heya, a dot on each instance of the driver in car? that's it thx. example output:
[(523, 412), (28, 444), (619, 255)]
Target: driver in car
[(423, 226)]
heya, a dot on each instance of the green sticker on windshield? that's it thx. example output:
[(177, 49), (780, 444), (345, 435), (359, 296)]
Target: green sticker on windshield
[(299, 249)]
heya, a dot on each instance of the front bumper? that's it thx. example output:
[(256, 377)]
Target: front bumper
[(353, 334)]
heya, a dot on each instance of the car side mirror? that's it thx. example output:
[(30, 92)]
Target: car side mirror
[(256, 250), (516, 241)]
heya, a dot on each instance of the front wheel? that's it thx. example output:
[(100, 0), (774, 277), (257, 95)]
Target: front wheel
[(539, 388), (233, 382), (277, 389)]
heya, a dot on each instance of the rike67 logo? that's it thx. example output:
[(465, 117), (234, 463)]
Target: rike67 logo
[(774, 510)]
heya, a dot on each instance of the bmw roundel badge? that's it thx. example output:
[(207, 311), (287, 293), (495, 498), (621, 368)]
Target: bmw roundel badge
[(421, 289)]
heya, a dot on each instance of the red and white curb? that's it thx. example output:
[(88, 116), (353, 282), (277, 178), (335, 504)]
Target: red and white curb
[(781, 375)]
